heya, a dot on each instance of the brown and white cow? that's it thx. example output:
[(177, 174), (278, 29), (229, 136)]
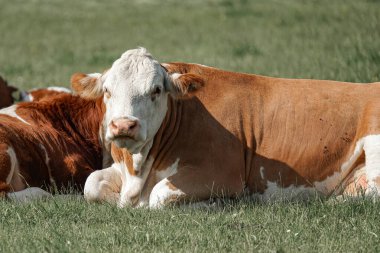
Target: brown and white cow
[(41, 93), (6, 91), (233, 134), (49, 144)]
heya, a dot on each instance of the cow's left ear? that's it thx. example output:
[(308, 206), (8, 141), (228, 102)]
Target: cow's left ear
[(183, 85), (87, 85), (12, 89)]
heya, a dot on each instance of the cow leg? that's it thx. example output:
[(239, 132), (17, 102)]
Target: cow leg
[(28, 194), (164, 193), (372, 164), (6, 170), (11, 182), (103, 186)]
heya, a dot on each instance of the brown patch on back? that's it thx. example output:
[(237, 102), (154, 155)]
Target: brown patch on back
[(44, 93)]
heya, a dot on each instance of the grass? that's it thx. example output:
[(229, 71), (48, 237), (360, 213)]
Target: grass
[(44, 41), (64, 225)]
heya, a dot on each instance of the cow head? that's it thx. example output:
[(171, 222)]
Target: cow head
[(135, 91), (6, 91)]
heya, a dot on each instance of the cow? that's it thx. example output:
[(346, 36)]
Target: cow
[(49, 144), (37, 94), (6, 91), (186, 132)]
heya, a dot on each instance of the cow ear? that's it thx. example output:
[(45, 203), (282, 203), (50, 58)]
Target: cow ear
[(183, 85), (87, 85), (12, 89)]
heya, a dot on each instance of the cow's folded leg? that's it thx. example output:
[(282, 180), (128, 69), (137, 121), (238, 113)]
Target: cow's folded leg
[(165, 193), (103, 186), (372, 164)]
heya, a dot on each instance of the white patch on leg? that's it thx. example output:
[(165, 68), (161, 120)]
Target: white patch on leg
[(14, 164), (28, 194), (328, 185), (372, 164), (11, 111), (103, 185), (14, 179), (132, 184), (262, 172), (47, 161), (274, 192), (161, 193), (171, 170)]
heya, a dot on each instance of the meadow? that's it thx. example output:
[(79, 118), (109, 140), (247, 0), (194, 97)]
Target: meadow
[(43, 42)]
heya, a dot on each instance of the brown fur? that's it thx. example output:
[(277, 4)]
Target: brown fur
[(299, 131), (61, 145), (43, 93)]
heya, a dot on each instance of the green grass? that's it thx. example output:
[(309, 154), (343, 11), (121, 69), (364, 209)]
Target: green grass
[(44, 41), (72, 225)]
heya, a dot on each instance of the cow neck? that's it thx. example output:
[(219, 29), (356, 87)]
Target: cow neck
[(167, 132)]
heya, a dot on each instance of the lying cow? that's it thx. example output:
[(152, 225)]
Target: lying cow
[(53, 143), (41, 93), (239, 134), (6, 91)]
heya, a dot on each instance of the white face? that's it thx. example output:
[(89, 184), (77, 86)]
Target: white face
[(134, 92)]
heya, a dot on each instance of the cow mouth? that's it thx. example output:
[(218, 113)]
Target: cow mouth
[(127, 142), (122, 137)]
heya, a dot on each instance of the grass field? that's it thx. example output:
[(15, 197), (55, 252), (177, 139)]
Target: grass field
[(44, 41)]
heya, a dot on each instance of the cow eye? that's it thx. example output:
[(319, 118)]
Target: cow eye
[(156, 92), (107, 93)]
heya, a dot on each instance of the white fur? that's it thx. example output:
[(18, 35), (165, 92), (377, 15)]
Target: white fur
[(133, 184), (275, 192), (130, 81), (59, 89), (262, 172), (103, 185), (161, 193), (28, 194), (171, 170), (14, 164), (47, 162), (11, 111), (372, 155)]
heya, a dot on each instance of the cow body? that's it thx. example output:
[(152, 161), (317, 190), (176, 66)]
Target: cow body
[(239, 134), (41, 93), (50, 144)]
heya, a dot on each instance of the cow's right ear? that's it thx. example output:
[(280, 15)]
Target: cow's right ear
[(87, 85), (183, 85)]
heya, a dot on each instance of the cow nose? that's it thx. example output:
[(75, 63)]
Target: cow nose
[(124, 127)]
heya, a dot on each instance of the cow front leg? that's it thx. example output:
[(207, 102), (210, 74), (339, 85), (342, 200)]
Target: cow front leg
[(372, 164), (165, 193), (103, 186)]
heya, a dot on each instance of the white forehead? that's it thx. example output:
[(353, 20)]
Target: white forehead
[(135, 70)]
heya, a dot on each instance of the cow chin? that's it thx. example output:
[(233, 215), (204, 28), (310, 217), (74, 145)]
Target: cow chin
[(133, 146)]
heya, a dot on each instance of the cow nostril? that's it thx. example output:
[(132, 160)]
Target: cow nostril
[(132, 126), (113, 125)]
